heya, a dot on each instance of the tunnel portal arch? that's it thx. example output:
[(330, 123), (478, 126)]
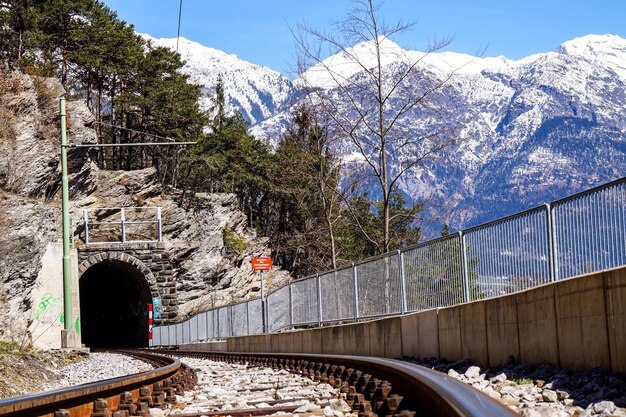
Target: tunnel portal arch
[(115, 291)]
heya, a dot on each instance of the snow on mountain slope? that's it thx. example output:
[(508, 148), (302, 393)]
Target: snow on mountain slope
[(257, 91), (531, 130), (609, 50), (528, 127)]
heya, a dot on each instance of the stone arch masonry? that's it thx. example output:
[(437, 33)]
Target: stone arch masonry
[(151, 259)]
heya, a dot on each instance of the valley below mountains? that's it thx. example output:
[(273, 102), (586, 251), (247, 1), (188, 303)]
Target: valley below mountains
[(527, 131)]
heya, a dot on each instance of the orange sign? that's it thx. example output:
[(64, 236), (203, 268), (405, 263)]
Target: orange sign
[(261, 264)]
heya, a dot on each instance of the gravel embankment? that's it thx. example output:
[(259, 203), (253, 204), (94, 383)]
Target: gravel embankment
[(96, 367), (545, 391), (28, 372)]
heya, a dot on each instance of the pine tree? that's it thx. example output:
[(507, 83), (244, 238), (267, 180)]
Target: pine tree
[(62, 25), (229, 159), (155, 98), (304, 208), (18, 32)]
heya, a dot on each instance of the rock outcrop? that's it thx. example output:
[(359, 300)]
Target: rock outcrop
[(30, 178), (207, 273)]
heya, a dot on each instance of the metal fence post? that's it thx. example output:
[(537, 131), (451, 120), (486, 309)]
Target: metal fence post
[(464, 271), (248, 318), (263, 305), (356, 292), (209, 335), (229, 318), (86, 222), (217, 322), (552, 249), (123, 221), (403, 307), (290, 305), (319, 300), (159, 225)]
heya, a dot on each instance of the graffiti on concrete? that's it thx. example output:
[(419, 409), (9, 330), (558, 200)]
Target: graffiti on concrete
[(49, 308)]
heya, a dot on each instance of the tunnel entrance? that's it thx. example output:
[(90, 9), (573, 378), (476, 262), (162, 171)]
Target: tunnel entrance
[(114, 297)]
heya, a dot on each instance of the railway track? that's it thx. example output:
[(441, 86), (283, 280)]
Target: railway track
[(374, 386), (369, 386)]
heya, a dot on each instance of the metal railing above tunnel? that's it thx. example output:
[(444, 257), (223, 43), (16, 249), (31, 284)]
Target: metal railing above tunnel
[(128, 225), (579, 234)]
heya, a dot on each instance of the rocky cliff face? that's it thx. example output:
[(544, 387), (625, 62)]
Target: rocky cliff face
[(30, 178), (207, 273)]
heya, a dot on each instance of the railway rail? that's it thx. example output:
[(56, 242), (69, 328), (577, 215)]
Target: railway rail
[(372, 387), (375, 386), (133, 393)]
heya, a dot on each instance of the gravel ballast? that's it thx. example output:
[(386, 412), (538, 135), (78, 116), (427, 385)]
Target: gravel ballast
[(97, 367), (223, 387)]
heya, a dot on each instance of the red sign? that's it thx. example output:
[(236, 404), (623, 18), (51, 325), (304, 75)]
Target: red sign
[(261, 264)]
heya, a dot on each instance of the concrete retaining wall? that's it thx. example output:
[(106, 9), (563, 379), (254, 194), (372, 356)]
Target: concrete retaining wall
[(205, 347), (578, 323), (47, 300)]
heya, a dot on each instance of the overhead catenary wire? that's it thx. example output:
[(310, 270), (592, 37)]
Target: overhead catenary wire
[(138, 131), (172, 141), (113, 145), (180, 13)]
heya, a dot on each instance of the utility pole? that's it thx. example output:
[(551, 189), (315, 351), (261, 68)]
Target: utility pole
[(67, 337)]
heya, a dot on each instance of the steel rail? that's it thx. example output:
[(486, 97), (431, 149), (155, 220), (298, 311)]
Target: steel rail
[(425, 391), (78, 399)]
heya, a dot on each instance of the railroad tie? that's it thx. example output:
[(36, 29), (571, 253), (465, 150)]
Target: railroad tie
[(362, 382), (158, 395), (389, 406), (143, 409), (370, 388), (405, 413), (145, 397), (178, 386), (100, 408), (126, 403), (170, 394), (365, 409), (350, 395), (354, 377)]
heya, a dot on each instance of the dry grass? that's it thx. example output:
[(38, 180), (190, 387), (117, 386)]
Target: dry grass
[(7, 120), (44, 93)]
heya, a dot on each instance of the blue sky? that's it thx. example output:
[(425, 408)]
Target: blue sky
[(258, 30)]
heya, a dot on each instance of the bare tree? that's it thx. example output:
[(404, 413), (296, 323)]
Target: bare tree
[(366, 89)]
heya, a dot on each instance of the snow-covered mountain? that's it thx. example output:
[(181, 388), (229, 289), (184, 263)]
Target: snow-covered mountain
[(530, 130), (257, 91)]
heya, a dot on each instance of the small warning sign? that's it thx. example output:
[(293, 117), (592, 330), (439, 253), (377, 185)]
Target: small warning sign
[(261, 264)]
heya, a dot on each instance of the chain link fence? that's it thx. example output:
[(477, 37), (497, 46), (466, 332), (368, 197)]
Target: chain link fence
[(576, 235)]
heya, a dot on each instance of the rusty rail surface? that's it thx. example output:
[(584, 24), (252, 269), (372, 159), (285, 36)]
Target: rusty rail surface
[(134, 393), (377, 386)]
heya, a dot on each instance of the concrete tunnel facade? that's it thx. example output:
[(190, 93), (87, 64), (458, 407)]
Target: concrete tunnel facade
[(114, 297)]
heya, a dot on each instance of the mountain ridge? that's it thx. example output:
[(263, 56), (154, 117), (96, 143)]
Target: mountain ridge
[(509, 111)]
